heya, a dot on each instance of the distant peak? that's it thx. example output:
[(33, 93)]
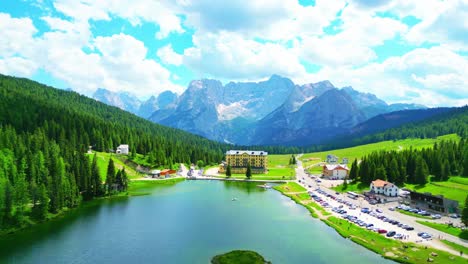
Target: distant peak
[(276, 77)]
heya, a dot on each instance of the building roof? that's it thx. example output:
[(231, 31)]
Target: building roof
[(249, 152), (382, 183), (336, 167), (123, 146)]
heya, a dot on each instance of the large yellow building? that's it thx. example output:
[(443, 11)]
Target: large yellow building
[(239, 159)]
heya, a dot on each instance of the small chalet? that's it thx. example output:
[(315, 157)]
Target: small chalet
[(335, 171), (384, 187), (332, 159), (122, 149)]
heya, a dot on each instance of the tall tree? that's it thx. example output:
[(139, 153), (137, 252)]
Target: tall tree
[(228, 171), (464, 216), (110, 176), (353, 173), (96, 179), (248, 172), (421, 172)]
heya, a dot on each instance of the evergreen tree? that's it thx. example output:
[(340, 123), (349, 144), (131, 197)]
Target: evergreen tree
[(465, 162), (228, 171), (353, 173), (124, 180), (118, 180), (437, 167), (393, 172), (110, 176), (445, 171), (345, 184), (96, 179), (41, 208), (421, 171), (464, 215), (248, 172)]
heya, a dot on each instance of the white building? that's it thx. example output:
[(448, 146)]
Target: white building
[(384, 187), (335, 172), (122, 149), (332, 159)]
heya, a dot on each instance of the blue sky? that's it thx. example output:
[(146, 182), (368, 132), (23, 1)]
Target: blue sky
[(402, 51)]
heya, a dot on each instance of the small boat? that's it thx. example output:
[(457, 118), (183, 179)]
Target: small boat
[(266, 186), (234, 199)]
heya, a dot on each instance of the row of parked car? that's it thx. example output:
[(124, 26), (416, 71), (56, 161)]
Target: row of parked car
[(378, 214), (371, 227), (418, 211)]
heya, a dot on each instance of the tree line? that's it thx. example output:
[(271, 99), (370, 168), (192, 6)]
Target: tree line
[(443, 160)]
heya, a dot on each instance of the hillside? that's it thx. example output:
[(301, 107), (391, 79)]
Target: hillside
[(358, 152), (44, 135)]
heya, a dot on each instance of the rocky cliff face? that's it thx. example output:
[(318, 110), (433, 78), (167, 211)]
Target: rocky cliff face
[(275, 111)]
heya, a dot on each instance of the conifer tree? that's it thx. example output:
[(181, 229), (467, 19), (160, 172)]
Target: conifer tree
[(248, 172), (353, 173), (421, 172), (228, 171), (464, 215), (110, 176), (96, 178)]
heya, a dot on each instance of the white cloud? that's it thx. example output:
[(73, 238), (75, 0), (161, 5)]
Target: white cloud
[(162, 13), (449, 25), (273, 19), (437, 75), (16, 39), (231, 56), (169, 56)]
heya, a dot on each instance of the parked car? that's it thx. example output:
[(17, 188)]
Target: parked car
[(426, 236), (391, 209), (382, 231), (391, 233), (436, 216), (398, 236)]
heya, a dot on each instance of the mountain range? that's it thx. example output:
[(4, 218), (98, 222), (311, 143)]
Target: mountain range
[(272, 112)]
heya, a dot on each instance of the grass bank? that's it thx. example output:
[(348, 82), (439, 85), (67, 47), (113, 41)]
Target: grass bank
[(455, 246), (142, 187), (454, 231)]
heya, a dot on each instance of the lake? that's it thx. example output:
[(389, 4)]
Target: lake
[(188, 222)]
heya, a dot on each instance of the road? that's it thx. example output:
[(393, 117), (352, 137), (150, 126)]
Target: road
[(312, 185)]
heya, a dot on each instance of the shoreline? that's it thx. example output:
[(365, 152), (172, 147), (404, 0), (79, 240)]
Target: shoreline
[(410, 249)]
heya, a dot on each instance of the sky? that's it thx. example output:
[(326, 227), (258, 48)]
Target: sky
[(409, 51)]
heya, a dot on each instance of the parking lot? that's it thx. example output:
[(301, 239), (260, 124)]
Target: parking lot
[(376, 217)]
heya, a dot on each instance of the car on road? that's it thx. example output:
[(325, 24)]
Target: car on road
[(379, 211), (391, 209), (382, 231), (426, 236), (436, 216), (398, 236), (391, 233)]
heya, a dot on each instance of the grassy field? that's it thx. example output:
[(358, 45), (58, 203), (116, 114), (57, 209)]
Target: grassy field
[(359, 151), (446, 229), (103, 161), (455, 188)]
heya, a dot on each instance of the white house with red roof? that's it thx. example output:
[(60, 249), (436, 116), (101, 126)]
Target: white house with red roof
[(335, 171), (384, 187)]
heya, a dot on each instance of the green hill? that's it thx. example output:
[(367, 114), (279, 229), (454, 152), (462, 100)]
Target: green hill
[(44, 135), (360, 151)]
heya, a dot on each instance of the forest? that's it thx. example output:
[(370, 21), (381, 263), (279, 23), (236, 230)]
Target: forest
[(413, 166), (44, 135)]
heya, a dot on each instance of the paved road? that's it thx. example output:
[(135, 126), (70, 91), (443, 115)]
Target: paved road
[(311, 185)]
